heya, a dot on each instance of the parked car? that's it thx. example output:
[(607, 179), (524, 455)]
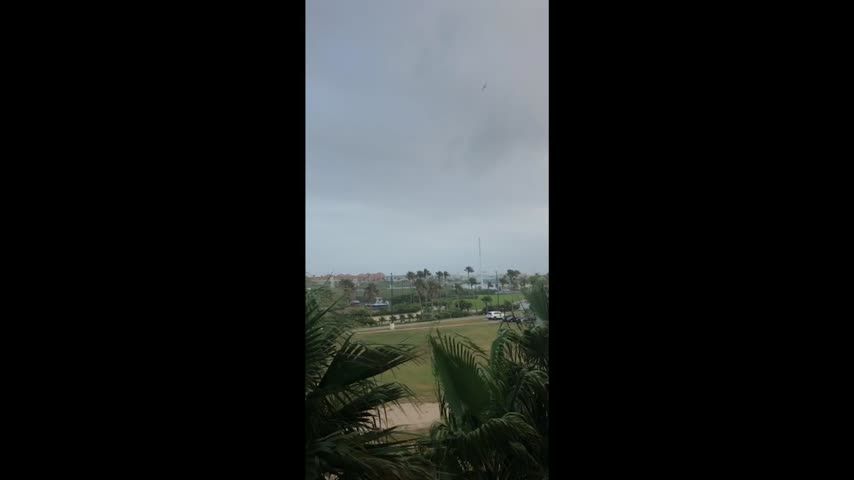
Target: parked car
[(494, 315)]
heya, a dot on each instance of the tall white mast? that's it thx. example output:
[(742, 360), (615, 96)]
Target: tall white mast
[(479, 262)]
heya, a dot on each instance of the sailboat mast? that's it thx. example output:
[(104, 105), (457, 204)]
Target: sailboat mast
[(479, 263)]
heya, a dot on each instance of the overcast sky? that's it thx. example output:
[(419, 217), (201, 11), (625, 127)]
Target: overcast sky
[(408, 159)]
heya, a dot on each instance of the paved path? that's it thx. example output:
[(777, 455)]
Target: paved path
[(450, 322)]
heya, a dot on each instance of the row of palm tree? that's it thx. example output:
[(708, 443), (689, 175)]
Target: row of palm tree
[(426, 274), (494, 406), (514, 278), (411, 276)]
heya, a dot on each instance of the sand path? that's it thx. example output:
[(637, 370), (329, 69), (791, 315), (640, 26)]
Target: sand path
[(413, 417)]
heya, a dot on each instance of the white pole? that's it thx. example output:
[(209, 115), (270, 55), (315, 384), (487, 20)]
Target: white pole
[(479, 262)]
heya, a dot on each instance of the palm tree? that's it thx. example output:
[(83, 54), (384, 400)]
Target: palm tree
[(445, 291), (421, 292), (433, 290), (344, 432), (464, 305), (349, 287), (507, 306), (512, 275), (469, 271), (371, 291), (494, 410), (440, 276), (472, 281), (486, 300), (538, 298), (491, 410)]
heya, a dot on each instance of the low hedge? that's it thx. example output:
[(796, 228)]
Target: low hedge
[(451, 314), (405, 308)]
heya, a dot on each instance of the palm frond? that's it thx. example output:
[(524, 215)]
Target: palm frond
[(357, 361), (364, 409), (501, 447), (528, 346), (370, 455), (538, 298), (508, 439), (344, 402), (321, 337), (462, 386)]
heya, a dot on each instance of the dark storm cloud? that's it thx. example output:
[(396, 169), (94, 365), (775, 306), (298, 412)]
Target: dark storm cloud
[(399, 130)]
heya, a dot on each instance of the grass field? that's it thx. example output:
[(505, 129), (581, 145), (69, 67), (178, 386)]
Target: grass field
[(419, 375)]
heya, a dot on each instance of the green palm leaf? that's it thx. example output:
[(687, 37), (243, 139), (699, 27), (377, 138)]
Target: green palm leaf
[(506, 435), (460, 382), (344, 403), (538, 298)]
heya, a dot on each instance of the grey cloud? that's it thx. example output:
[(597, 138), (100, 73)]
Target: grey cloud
[(399, 130)]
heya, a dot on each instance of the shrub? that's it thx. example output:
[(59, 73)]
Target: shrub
[(362, 316), (405, 308)]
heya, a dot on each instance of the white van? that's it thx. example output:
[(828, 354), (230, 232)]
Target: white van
[(494, 315)]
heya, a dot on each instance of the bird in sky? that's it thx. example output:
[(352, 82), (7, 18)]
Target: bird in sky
[(484, 87)]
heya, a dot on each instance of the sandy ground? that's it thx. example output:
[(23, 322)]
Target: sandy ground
[(419, 416), (413, 417)]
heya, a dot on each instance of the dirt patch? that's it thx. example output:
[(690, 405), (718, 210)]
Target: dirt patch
[(413, 416)]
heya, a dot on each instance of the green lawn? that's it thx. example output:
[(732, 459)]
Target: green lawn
[(419, 375)]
